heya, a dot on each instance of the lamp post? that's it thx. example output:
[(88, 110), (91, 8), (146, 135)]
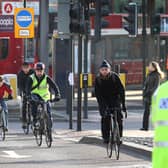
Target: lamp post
[(144, 53)]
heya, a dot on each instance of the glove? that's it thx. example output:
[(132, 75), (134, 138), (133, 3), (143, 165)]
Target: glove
[(57, 98), (10, 97)]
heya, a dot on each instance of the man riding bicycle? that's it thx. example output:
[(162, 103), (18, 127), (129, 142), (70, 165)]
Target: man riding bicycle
[(22, 81), (41, 85), (110, 94), (5, 88)]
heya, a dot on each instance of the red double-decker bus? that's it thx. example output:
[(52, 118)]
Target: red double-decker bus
[(13, 51)]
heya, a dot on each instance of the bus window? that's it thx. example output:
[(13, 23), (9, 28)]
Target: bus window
[(4, 43), (30, 50)]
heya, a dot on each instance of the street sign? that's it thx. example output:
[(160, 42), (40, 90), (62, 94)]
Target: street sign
[(24, 22)]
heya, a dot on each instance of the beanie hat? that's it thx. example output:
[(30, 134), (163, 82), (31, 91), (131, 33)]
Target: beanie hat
[(105, 64)]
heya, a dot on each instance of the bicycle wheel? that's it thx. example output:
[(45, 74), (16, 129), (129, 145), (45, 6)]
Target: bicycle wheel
[(26, 129), (2, 134), (38, 134), (116, 143), (28, 119), (48, 132), (110, 144)]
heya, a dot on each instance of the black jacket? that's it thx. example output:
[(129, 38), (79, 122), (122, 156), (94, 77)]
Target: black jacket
[(109, 91), (22, 80), (151, 83)]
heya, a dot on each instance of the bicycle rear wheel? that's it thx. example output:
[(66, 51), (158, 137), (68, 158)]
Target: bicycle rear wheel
[(110, 143), (116, 143)]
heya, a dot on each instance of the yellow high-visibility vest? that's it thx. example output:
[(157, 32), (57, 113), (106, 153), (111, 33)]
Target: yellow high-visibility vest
[(43, 89), (160, 121)]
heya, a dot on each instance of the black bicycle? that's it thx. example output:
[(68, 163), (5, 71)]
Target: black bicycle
[(114, 138), (43, 125), (28, 125)]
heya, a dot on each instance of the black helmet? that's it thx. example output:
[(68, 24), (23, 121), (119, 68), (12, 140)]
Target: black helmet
[(39, 66)]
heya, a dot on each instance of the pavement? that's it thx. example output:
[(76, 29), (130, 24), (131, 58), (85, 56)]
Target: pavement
[(139, 141)]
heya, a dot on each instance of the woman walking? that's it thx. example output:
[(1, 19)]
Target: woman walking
[(151, 83)]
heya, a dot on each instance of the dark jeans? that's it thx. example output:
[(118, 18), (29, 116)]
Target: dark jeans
[(34, 111), (146, 114), (105, 125)]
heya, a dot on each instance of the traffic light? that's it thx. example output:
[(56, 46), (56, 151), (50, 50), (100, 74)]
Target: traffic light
[(132, 19), (104, 11), (74, 14), (155, 24), (79, 19)]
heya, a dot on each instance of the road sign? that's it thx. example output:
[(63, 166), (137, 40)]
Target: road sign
[(24, 22), (8, 7)]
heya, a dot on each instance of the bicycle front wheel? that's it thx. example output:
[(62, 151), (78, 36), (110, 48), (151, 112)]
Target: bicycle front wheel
[(116, 143), (110, 143), (26, 129), (38, 134), (48, 132), (2, 129), (3, 134)]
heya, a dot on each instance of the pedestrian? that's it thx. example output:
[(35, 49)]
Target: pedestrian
[(160, 122), (151, 83), (110, 93), (22, 80)]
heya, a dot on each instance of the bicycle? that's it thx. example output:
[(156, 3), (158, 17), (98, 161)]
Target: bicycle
[(3, 123), (114, 138), (28, 117), (44, 124)]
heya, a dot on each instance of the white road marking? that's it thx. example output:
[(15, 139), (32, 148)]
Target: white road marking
[(13, 154), (131, 166)]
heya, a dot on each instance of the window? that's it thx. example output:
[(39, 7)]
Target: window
[(124, 47), (4, 45), (30, 50)]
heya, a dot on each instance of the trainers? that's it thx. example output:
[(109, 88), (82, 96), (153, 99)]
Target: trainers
[(144, 129), (6, 129)]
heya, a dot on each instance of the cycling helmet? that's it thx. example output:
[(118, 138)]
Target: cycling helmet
[(39, 66)]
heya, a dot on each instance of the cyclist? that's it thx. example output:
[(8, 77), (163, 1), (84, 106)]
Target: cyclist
[(5, 88), (22, 80), (41, 85), (110, 94)]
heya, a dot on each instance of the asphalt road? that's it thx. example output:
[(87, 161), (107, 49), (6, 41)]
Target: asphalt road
[(20, 151)]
